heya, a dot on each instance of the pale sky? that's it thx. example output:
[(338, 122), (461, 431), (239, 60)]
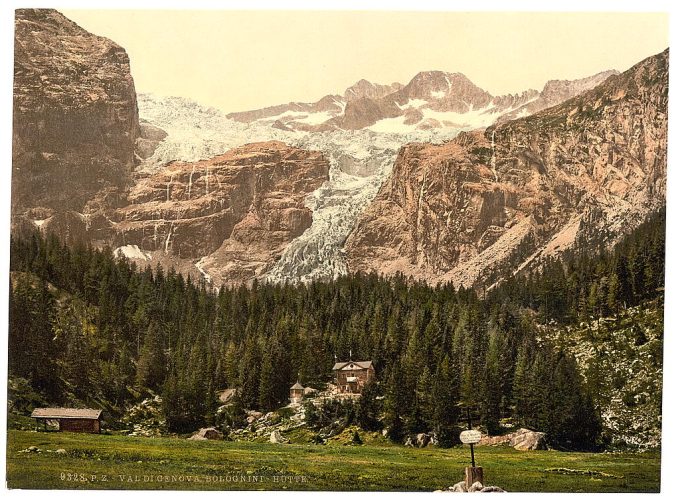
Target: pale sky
[(240, 60)]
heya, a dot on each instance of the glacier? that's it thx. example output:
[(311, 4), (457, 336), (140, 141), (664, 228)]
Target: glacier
[(360, 161)]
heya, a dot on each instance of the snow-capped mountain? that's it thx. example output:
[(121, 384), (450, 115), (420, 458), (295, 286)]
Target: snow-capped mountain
[(361, 180), (359, 163), (431, 100)]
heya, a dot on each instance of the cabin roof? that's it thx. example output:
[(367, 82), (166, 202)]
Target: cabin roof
[(297, 385), (363, 365), (65, 413)]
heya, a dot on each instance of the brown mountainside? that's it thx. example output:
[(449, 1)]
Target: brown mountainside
[(490, 203), (75, 113)]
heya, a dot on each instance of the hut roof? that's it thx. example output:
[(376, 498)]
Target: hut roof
[(363, 365), (64, 413), (297, 385)]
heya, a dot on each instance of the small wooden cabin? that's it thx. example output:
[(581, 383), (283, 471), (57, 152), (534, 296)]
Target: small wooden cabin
[(297, 392), (351, 376), (76, 420)]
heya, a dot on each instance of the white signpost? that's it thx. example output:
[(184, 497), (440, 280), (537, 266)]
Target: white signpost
[(470, 436)]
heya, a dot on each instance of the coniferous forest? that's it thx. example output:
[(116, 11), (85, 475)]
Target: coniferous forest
[(88, 328)]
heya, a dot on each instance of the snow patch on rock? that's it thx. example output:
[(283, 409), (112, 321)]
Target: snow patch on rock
[(132, 252)]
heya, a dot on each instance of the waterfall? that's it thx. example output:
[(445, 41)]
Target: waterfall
[(167, 239), (493, 154), (167, 188), (191, 180)]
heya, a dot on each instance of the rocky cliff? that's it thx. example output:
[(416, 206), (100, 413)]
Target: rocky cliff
[(491, 203), (228, 217), (234, 213), (75, 113)]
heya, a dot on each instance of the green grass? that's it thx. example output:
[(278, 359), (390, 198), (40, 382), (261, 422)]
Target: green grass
[(118, 462)]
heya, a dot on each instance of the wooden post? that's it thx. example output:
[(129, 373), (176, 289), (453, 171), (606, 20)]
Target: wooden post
[(474, 474), (472, 448)]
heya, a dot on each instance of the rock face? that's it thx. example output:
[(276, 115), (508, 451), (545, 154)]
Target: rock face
[(235, 212), (75, 113), (522, 440), (227, 218), (489, 204)]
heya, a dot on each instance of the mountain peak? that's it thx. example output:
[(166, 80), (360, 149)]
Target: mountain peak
[(365, 89), (438, 84)]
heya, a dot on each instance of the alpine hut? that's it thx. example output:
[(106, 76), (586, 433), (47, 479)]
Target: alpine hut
[(76, 420)]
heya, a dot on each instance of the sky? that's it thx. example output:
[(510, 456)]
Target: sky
[(242, 60)]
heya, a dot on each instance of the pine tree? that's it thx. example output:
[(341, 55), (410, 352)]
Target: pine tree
[(491, 386), (250, 373), (396, 407), (267, 388), (151, 364), (444, 399), (368, 409)]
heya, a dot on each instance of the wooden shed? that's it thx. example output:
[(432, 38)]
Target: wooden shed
[(76, 420), (297, 392)]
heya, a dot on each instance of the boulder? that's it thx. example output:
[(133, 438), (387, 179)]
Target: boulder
[(460, 487), (206, 434), (423, 440), (522, 440), (527, 440), (492, 489), (253, 415), (277, 438), (226, 395), (476, 487)]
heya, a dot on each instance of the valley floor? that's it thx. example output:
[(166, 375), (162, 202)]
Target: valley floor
[(118, 462)]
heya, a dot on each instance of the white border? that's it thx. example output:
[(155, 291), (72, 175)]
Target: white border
[(671, 419)]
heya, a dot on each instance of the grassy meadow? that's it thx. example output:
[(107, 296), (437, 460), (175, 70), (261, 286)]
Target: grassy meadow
[(120, 462)]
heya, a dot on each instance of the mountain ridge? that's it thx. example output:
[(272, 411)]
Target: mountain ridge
[(431, 99)]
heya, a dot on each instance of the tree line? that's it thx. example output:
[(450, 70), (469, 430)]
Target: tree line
[(89, 328)]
